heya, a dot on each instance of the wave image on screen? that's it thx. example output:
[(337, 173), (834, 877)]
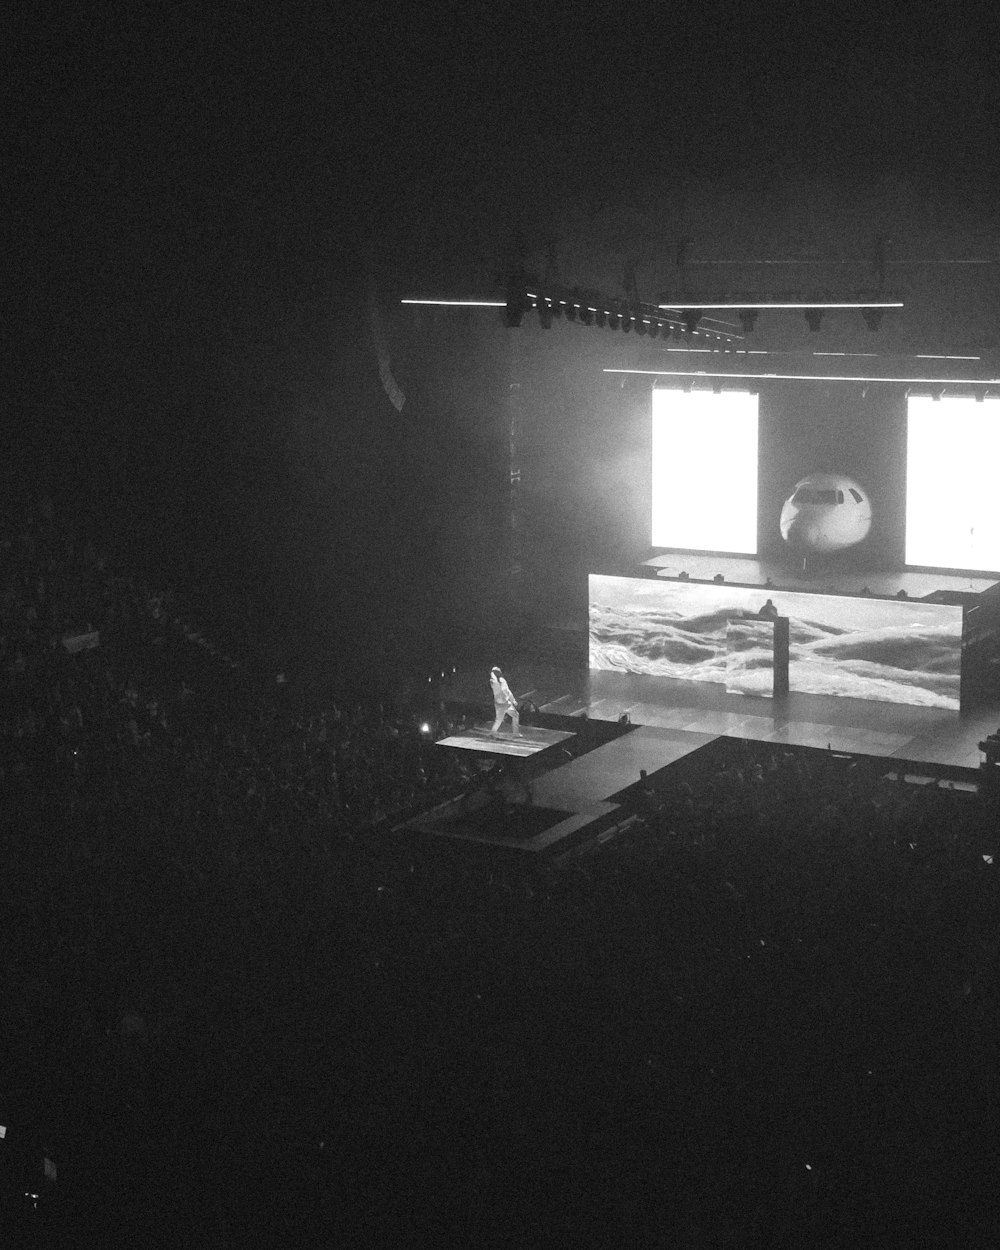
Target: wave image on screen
[(889, 650), (750, 657)]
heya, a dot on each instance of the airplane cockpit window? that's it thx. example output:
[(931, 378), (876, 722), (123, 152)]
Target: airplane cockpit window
[(856, 494), (840, 496), (811, 494)]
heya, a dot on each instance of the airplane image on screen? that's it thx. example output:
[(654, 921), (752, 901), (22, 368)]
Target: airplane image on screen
[(826, 512)]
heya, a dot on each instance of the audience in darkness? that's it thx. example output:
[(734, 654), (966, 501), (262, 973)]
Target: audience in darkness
[(244, 1007)]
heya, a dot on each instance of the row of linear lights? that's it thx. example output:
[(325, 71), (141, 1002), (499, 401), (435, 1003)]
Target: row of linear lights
[(691, 314), (615, 314), (618, 316), (918, 388), (591, 314)]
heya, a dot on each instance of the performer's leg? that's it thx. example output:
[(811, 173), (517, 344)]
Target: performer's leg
[(515, 720), (498, 719)]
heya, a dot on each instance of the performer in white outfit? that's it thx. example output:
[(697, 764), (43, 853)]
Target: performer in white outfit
[(504, 704)]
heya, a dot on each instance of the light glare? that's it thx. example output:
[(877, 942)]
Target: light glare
[(704, 471), (952, 450)]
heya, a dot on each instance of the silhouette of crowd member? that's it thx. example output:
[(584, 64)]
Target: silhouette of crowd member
[(990, 767), (504, 704), (768, 611)]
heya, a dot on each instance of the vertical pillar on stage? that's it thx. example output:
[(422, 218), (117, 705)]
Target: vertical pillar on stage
[(757, 656), (780, 656)]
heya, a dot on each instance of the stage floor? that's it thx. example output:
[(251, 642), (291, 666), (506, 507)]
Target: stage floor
[(532, 740), (598, 776), (829, 579), (703, 710)]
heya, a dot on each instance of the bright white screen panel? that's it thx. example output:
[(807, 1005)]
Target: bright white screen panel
[(705, 471), (952, 501)]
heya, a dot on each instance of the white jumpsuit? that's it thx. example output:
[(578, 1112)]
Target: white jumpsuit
[(504, 704)]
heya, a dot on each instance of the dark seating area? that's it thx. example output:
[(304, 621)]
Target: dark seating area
[(241, 1010)]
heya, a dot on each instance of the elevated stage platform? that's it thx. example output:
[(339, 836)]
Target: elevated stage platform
[(571, 802), (533, 740), (704, 710), (579, 802), (907, 680)]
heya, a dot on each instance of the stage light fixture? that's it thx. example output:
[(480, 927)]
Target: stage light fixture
[(873, 318), (814, 319)]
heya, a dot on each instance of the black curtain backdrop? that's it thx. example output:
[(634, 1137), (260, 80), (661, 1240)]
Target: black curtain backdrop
[(808, 427)]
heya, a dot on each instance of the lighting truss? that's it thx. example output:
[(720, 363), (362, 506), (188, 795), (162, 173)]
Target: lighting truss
[(802, 304), (694, 374)]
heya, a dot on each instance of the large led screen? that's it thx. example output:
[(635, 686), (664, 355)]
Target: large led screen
[(704, 471), (750, 657), (895, 651), (952, 509)]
